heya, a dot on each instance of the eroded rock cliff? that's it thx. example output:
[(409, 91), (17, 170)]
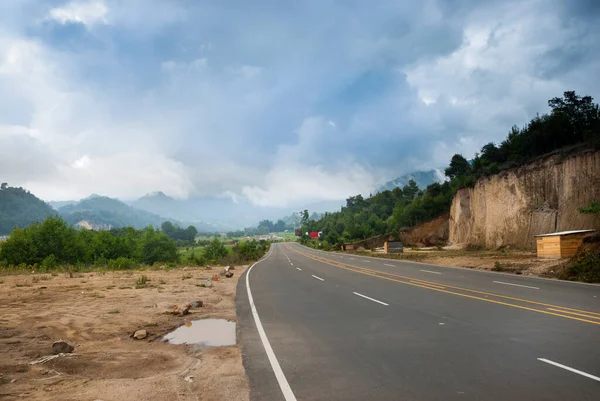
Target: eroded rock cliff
[(541, 197)]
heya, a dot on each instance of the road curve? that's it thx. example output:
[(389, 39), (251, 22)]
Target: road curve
[(342, 327)]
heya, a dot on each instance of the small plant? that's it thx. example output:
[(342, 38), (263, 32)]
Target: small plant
[(497, 267), (141, 281)]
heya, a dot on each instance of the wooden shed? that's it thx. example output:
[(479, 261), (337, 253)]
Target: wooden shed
[(563, 244)]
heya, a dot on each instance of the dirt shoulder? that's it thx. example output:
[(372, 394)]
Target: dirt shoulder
[(97, 312)]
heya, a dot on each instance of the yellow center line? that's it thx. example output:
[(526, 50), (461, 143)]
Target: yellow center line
[(430, 285), (426, 284), (573, 313)]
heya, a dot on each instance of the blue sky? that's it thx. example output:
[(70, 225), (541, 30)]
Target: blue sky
[(277, 103)]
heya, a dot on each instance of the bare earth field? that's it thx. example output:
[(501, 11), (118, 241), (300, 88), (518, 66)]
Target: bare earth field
[(97, 312)]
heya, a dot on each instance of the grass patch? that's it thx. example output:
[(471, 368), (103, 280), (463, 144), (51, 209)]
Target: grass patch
[(114, 311), (110, 287), (142, 281), (508, 268), (124, 287)]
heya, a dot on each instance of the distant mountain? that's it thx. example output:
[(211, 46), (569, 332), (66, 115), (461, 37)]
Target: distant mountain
[(158, 203), (422, 178), (20, 208), (104, 212), (58, 204)]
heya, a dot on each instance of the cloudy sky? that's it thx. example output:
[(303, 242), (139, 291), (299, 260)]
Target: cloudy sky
[(275, 102)]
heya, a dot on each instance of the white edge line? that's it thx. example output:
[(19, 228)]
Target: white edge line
[(288, 394), (297, 268), (370, 299), (516, 285), (318, 278), (385, 264), (291, 264), (579, 372), (429, 271)]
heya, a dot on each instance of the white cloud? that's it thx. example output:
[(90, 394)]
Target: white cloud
[(172, 66), (299, 184), (87, 13)]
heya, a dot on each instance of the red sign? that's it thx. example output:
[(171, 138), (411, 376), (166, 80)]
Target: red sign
[(314, 234)]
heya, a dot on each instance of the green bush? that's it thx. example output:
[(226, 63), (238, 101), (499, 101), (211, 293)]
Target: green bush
[(586, 267), (215, 250), (49, 262)]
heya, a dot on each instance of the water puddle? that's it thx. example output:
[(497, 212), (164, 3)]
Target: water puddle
[(206, 332)]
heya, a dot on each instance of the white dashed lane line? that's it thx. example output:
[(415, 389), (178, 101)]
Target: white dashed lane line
[(579, 372), (516, 285), (318, 278), (370, 299), (429, 271)]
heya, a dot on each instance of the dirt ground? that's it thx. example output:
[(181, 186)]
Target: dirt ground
[(516, 261), (97, 312)]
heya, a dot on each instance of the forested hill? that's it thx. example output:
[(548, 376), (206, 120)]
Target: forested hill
[(20, 208), (102, 212), (573, 122)]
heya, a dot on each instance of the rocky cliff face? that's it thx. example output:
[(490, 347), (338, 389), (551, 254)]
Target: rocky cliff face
[(541, 197)]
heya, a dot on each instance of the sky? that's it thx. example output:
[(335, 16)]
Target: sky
[(276, 103)]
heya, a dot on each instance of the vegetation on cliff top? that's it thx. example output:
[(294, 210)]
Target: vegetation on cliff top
[(572, 120)]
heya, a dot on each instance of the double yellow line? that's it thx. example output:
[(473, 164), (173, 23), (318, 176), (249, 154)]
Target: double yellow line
[(534, 306)]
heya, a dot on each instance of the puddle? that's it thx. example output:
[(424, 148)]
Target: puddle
[(207, 332)]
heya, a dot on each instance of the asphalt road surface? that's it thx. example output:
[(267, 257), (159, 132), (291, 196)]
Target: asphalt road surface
[(325, 326)]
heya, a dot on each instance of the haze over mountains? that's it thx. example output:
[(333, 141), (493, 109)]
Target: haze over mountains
[(206, 214)]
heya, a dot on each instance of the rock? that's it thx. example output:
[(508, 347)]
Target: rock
[(197, 304), (208, 283), (230, 268), (229, 274), (163, 267), (180, 309), (62, 347), (140, 334), (189, 379)]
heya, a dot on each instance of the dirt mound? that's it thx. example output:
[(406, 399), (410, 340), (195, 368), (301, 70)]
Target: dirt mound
[(431, 233)]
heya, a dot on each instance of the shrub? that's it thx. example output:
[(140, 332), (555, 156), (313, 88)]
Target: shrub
[(586, 267), (49, 262), (121, 264), (215, 250)]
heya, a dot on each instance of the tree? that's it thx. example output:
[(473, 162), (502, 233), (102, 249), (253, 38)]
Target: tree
[(279, 226), (458, 166), (215, 250), (304, 217), (156, 246), (268, 224)]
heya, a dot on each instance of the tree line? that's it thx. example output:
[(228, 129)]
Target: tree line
[(54, 243), (572, 121)]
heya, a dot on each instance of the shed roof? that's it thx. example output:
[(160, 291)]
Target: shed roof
[(564, 233)]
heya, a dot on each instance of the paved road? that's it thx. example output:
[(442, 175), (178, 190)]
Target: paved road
[(340, 327)]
